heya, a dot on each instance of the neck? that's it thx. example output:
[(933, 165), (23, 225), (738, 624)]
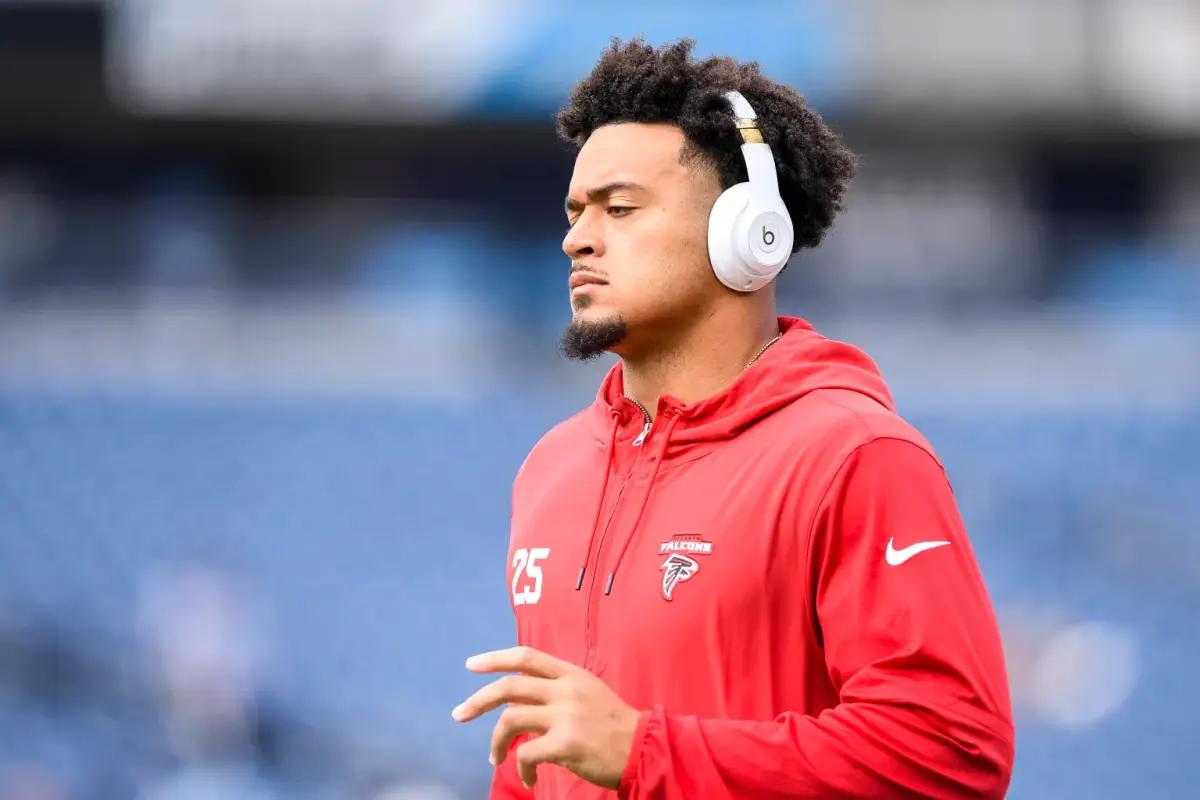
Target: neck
[(697, 362)]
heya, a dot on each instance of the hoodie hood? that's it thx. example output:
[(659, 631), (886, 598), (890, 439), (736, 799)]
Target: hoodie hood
[(800, 362)]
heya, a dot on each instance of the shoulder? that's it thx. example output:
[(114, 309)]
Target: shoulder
[(860, 420), (846, 421)]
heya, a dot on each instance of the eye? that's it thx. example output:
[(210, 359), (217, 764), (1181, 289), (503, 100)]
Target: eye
[(619, 211)]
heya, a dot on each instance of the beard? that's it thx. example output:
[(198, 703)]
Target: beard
[(585, 340)]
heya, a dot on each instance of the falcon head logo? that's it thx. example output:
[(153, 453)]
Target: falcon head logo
[(677, 569)]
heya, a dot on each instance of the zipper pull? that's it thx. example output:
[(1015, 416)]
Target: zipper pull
[(641, 437)]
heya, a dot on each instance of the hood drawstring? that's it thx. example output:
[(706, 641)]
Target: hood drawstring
[(611, 450), (659, 457)]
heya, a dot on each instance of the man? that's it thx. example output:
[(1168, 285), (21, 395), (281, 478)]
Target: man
[(738, 573)]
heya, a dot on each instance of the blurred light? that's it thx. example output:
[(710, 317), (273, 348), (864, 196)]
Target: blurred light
[(1085, 673), (1153, 60)]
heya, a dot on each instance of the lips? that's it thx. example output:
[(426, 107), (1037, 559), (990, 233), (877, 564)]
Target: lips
[(584, 279)]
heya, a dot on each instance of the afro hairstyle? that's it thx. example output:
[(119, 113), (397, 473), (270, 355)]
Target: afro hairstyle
[(637, 82)]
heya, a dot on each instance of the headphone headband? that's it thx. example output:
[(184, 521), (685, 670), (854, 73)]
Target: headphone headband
[(744, 118), (741, 106)]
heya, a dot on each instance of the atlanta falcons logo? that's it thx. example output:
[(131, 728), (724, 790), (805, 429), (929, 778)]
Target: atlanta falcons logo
[(677, 569)]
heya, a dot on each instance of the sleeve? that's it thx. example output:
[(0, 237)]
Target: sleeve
[(910, 643)]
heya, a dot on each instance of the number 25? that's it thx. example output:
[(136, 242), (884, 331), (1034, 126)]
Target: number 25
[(525, 560)]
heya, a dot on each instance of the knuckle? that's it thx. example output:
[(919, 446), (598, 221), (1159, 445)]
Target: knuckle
[(568, 733), (569, 694), (570, 751), (577, 718), (503, 722), (576, 691), (524, 655), (515, 720), (509, 718)]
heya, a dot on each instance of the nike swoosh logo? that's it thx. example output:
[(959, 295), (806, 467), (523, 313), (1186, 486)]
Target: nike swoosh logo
[(897, 557)]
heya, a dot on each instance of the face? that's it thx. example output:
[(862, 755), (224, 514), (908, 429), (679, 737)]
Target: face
[(638, 236)]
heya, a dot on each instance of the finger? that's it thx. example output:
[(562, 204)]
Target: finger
[(542, 750), (520, 659), (512, 723), (509, 689)]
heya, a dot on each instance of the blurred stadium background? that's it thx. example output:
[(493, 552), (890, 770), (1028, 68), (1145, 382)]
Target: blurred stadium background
[(280, 285)]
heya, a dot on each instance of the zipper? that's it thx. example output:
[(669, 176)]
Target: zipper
[(592, 594), (641, 437)]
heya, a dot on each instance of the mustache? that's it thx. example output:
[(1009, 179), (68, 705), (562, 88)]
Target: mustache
[(588, 269)]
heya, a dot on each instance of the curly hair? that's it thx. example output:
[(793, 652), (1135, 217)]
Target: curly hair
[(637, 82)]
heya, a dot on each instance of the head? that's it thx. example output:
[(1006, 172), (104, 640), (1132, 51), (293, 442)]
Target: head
[(656, 146)]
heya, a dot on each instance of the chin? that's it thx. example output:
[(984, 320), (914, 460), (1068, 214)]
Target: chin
[(592, 312), (592, 332)]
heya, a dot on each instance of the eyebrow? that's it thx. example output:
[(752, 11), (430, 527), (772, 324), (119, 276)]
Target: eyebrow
[(601, 192)]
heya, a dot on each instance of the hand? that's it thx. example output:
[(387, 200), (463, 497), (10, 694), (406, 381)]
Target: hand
[(581, 723)]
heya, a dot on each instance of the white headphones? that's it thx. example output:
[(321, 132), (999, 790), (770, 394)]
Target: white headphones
[(749, 230)]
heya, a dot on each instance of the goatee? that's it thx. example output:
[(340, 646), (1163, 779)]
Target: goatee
[(584, 340)]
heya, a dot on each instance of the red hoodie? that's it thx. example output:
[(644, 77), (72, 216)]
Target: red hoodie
[(778, 576)]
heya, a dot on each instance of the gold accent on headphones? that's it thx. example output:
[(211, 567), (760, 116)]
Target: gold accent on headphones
[(748, 128)]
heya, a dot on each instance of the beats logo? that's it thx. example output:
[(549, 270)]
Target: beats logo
[(767, 237)]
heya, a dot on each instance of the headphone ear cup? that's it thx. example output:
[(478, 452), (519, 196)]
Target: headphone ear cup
[(723, 226)]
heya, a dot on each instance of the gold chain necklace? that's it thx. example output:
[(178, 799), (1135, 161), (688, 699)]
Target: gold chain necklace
[(778, 336), (749, 363)]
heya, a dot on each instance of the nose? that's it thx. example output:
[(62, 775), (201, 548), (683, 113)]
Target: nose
[(583, 239)]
